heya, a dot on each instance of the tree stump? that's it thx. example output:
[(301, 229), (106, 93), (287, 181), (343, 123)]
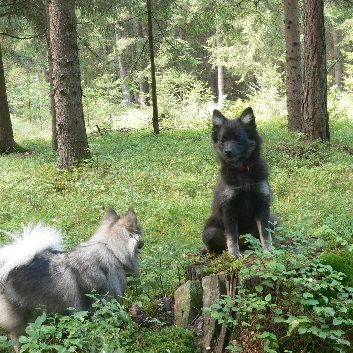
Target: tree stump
[(213, 288), (188, 303), (202, 289)]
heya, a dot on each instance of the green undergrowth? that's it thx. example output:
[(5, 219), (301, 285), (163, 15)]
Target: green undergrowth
[(289, 303), (108, 329), (169, 179)]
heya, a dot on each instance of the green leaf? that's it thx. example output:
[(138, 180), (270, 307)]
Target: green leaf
[(259, 289), (337, 322), (264, 334), (302, 330), (268, 297), (80, 314), (312, 302), (279, 319)]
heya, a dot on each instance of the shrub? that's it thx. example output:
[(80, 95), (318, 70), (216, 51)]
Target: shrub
[(182, 99), (297, 304), (108, 329), (104, 330)]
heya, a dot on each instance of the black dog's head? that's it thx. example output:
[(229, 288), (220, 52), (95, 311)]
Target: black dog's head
[(236, 141)]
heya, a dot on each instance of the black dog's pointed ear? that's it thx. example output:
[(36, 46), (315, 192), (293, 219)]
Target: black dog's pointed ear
[(218, 118), (247, 117)]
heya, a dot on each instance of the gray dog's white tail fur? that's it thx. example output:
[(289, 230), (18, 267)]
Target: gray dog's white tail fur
[(25, 246)]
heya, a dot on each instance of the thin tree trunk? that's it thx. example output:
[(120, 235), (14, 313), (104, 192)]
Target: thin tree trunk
[(337, 56), (108, 47), (315, 115), (155, 122), (144, 90), (54, 138), (220, 69), (7, 142), (54, 141), (122, 70), (293, 63), (143, 81), (220, 84), (70, 124)]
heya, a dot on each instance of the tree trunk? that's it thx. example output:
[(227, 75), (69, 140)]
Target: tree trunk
[(122, 70), (144, 91), (143, 81), (220, 70), (7, 142), (337, 56), (315, 115), (293, 60), (70, 123), (54, 141), (155, 122)]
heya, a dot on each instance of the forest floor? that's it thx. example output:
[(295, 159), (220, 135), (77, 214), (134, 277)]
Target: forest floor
[(169, 180)]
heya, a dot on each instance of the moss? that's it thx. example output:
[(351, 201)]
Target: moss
[(171, 339), (213, 264), (224, 263), (14, 149), (341, 261)]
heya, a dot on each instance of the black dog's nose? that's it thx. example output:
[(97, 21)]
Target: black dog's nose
[(228, 153)]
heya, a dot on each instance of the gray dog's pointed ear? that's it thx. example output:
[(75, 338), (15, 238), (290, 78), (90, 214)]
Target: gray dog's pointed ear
[(218, 118), (247, 117), (111, 216), (130, 218)]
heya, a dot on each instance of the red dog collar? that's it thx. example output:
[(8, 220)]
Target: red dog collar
[(245, 168)]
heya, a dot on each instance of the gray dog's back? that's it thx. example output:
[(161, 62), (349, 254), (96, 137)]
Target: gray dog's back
[(59, 280)]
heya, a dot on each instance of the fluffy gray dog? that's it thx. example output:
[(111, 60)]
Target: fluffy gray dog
[(36, 275)]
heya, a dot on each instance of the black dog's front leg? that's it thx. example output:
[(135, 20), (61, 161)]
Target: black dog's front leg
[(230, 222), (263, 226)]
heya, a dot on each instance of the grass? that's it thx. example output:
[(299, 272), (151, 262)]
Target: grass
[(169, 180)]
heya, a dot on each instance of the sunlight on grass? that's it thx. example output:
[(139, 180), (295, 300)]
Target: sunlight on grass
[(169, 180)]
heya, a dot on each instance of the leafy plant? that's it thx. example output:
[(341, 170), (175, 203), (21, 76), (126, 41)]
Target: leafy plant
[(297, 303), (181, 95), (108, 329), (104, 330)]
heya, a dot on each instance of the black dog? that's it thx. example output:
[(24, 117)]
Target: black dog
[(241, 202)]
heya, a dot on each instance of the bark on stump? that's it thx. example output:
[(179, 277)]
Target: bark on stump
[(201, 291), (214, 334), (188, 303)]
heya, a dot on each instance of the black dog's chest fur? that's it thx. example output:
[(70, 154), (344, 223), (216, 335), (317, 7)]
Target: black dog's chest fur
[(244, 192), (245, 205)]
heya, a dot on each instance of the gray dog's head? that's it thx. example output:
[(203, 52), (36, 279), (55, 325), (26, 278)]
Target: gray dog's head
[(123, 235)]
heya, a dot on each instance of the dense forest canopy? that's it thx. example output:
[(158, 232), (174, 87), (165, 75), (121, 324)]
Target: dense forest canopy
[(193, 39)]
